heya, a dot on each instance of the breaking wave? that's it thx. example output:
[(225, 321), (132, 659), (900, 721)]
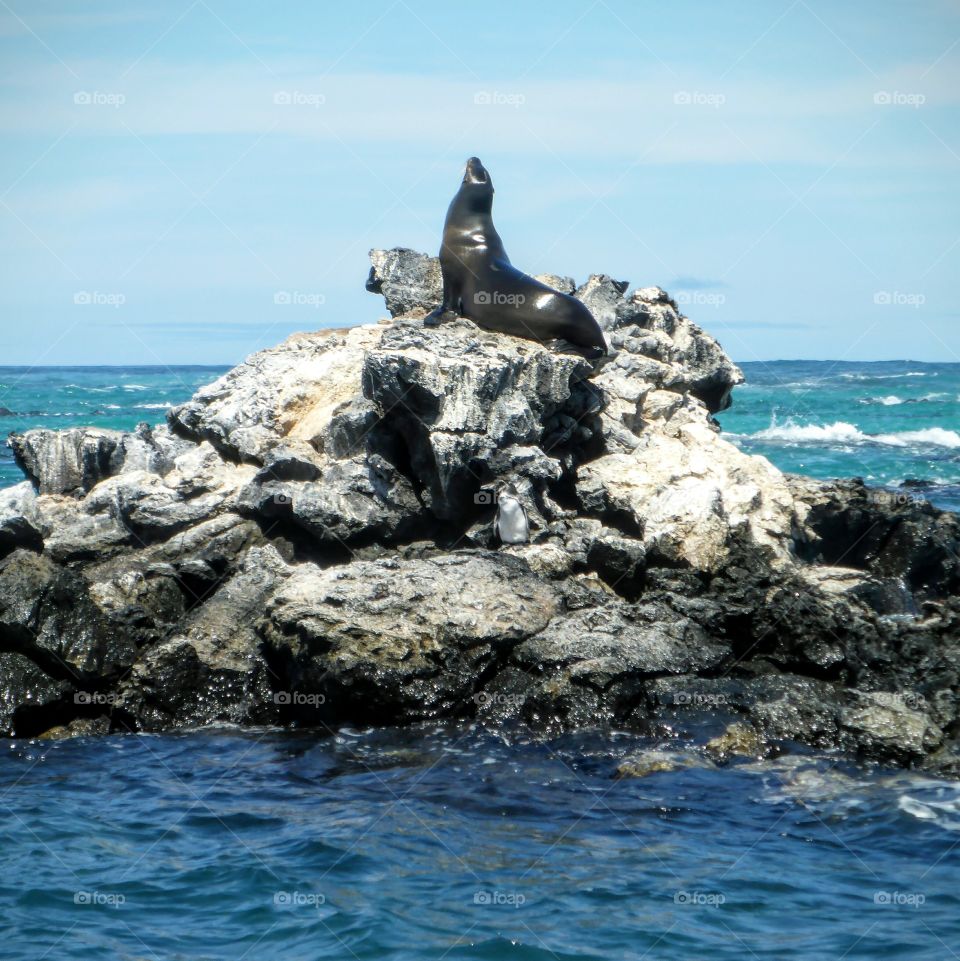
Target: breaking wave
[(840, 432)]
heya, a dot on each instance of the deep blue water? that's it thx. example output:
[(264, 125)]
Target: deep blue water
[(454, 843)]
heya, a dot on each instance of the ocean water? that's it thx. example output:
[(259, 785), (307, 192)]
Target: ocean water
[(112, 397), (456, 843), (885, 422), (451, 842)]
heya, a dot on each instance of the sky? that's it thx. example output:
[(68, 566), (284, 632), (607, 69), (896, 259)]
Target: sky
[(190, 181)]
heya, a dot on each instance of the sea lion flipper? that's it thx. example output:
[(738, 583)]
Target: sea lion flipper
[(564, 346), (449, 308), (438, 315)]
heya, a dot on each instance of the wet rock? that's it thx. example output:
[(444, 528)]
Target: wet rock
[(884, 725), (25, 691), (738, 740), (78, 727), (657, 761)]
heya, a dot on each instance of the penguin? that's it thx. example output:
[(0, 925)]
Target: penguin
[(511, 520)]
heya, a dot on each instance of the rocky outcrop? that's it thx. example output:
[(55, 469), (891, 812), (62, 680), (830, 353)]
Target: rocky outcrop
[(310, 540)]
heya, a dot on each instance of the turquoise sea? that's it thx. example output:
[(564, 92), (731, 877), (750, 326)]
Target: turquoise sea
[(452, 842), (891, 423)]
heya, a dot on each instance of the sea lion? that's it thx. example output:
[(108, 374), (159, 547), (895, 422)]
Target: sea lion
[(480, 283)]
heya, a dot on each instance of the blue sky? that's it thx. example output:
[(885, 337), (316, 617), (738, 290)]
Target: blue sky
[(788, 170)]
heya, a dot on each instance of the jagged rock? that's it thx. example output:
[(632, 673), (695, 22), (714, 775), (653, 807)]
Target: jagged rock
[(889, 537), (25, 690), (19, 520), (689, 494), (65, 461), (462, 400), (47, 613), (409, 282), (310, 540), (287, 393), (213, 668), (398, 640)]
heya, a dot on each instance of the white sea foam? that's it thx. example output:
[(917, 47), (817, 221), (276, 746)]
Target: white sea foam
[(152, 406), (840, 432), (932, 800), (911, 373), (916, 808), (928, 436), (891, 400)]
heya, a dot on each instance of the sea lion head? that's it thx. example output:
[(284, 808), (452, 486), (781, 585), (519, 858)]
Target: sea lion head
[(476, 192), (476, 173)]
